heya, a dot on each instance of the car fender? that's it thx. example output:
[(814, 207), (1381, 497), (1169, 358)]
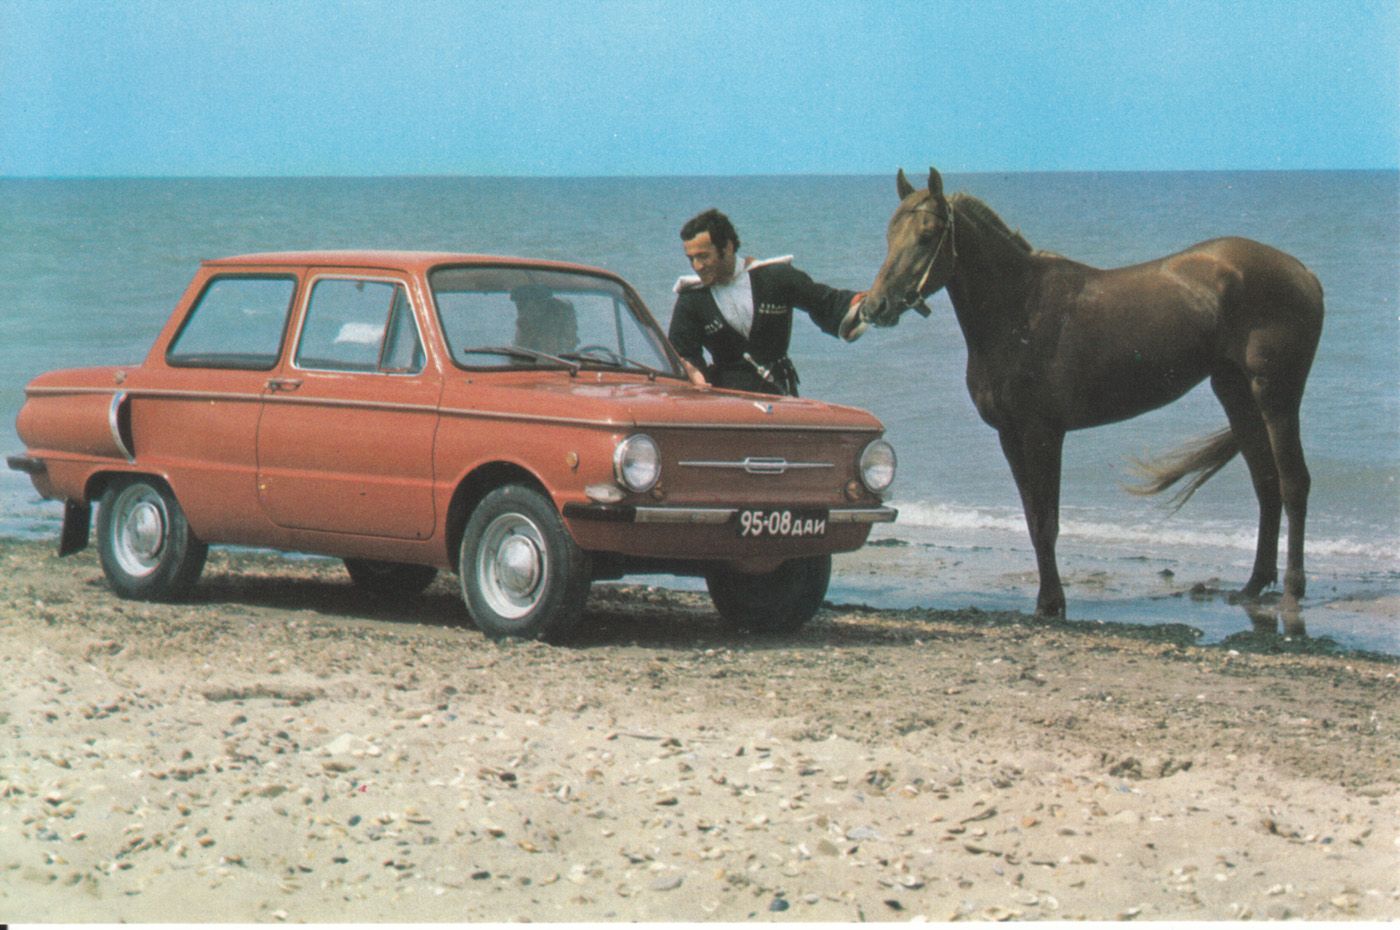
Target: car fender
[(474, 484)]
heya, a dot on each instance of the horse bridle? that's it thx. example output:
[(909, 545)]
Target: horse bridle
[(919, 304), (920, 297)]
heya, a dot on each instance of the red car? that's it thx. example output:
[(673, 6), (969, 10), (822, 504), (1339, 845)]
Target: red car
[(525, 423)]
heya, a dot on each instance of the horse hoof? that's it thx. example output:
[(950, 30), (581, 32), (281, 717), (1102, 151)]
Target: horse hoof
[(1292, 616), (1254, 588)]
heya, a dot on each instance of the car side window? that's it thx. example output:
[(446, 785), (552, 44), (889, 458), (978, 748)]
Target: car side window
[(403, 350), (237, 322), (355, 325)]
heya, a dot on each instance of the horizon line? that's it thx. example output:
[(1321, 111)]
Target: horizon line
[(642, 177)]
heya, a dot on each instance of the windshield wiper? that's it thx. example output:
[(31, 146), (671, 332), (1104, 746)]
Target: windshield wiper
[(532, 355), (614, 360)]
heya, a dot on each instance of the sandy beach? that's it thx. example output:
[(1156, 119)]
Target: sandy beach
[(281, 749)]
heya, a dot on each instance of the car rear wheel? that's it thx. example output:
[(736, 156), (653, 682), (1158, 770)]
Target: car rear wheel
[(522, 574), (780, 601), (144, 542), (390, 579)]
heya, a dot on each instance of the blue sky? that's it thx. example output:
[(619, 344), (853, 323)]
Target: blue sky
[(517, 87)]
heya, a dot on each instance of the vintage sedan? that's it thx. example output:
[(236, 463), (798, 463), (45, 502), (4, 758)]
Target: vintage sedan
[(525, 423)]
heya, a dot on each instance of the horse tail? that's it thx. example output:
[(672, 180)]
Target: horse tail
[(1200, 458)]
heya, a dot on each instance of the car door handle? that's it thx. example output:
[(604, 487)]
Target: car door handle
[(283, 384)]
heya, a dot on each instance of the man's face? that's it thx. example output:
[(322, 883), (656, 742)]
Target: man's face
[(714, 265)]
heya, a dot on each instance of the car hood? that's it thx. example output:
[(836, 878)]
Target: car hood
[(608, 399)]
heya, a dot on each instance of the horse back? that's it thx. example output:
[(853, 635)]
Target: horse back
[(1106, 345), (1232, 283), (1254, 280)]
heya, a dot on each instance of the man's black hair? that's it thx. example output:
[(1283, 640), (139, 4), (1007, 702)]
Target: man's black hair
[(716, 224)]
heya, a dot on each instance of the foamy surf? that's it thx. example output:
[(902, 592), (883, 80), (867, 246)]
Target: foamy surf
[(1171, 531)]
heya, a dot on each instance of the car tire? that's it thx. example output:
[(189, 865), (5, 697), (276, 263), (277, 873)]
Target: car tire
[(147, 549), (522, 574), (780, 601), (390, 579)]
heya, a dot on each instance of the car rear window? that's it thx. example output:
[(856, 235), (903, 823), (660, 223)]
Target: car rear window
[(237, 322)]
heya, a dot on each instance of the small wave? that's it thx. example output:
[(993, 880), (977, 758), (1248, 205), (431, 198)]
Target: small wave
[(1101, 528), (951, 517)]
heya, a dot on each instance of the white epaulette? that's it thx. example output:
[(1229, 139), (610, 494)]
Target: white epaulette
[(688, 282)]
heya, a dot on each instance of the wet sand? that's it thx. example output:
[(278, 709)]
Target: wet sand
[(911, 566), (281, 749)]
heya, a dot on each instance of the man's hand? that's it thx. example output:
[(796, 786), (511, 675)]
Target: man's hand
[(852, 326), (697, 377)]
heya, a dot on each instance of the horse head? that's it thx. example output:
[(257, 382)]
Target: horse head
[(919, 261)]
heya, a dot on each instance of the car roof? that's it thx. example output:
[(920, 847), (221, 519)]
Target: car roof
[(409, 260)]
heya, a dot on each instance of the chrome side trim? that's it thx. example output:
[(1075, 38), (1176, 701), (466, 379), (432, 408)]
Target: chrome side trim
[(725, 514), (764, 427), (685, 514), (114, 424), (866, 515), (469, 413), (290, 400), (146, 392), (532, 418)]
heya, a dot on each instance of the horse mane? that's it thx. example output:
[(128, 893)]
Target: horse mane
[(985, 216)]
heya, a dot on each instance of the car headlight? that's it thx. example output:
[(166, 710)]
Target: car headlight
[(637, 463), (877, 464)]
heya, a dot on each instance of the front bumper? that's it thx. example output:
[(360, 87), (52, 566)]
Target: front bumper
[(695, 535), (634, 513)]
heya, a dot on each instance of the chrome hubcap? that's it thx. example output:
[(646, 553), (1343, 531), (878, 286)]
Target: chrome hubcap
[(518, 566), (512, 565), (145, 530), (141, 528)]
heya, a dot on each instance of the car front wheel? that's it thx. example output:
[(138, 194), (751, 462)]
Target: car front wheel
[(780, 601), (522, 574), (144, 542)]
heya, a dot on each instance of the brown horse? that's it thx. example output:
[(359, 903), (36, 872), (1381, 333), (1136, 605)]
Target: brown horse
[(1053, 345)]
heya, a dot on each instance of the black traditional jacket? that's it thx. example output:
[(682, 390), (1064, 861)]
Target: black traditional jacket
[(760, 362)]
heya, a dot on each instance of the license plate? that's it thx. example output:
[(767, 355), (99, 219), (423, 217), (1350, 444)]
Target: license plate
[(781, 523)]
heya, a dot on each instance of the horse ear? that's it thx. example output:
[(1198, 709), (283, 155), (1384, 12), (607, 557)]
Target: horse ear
[(935, 182), (902, 185)]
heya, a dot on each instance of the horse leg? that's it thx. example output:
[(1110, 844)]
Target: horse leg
[(1232, 389), (1294, 485), (1035, 457)]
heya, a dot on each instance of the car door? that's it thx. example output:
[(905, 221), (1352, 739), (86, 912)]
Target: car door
[(194, 407), (345, 442)]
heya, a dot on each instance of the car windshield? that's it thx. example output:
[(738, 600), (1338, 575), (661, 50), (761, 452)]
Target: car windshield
[(514, 316)]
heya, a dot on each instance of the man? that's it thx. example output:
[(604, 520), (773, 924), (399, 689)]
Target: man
[(544, 322), (741, 311)]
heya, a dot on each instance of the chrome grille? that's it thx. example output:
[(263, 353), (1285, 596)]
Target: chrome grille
[(757, 465)]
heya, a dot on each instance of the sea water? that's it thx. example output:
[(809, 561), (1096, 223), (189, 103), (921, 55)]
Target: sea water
[(90, 269)]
